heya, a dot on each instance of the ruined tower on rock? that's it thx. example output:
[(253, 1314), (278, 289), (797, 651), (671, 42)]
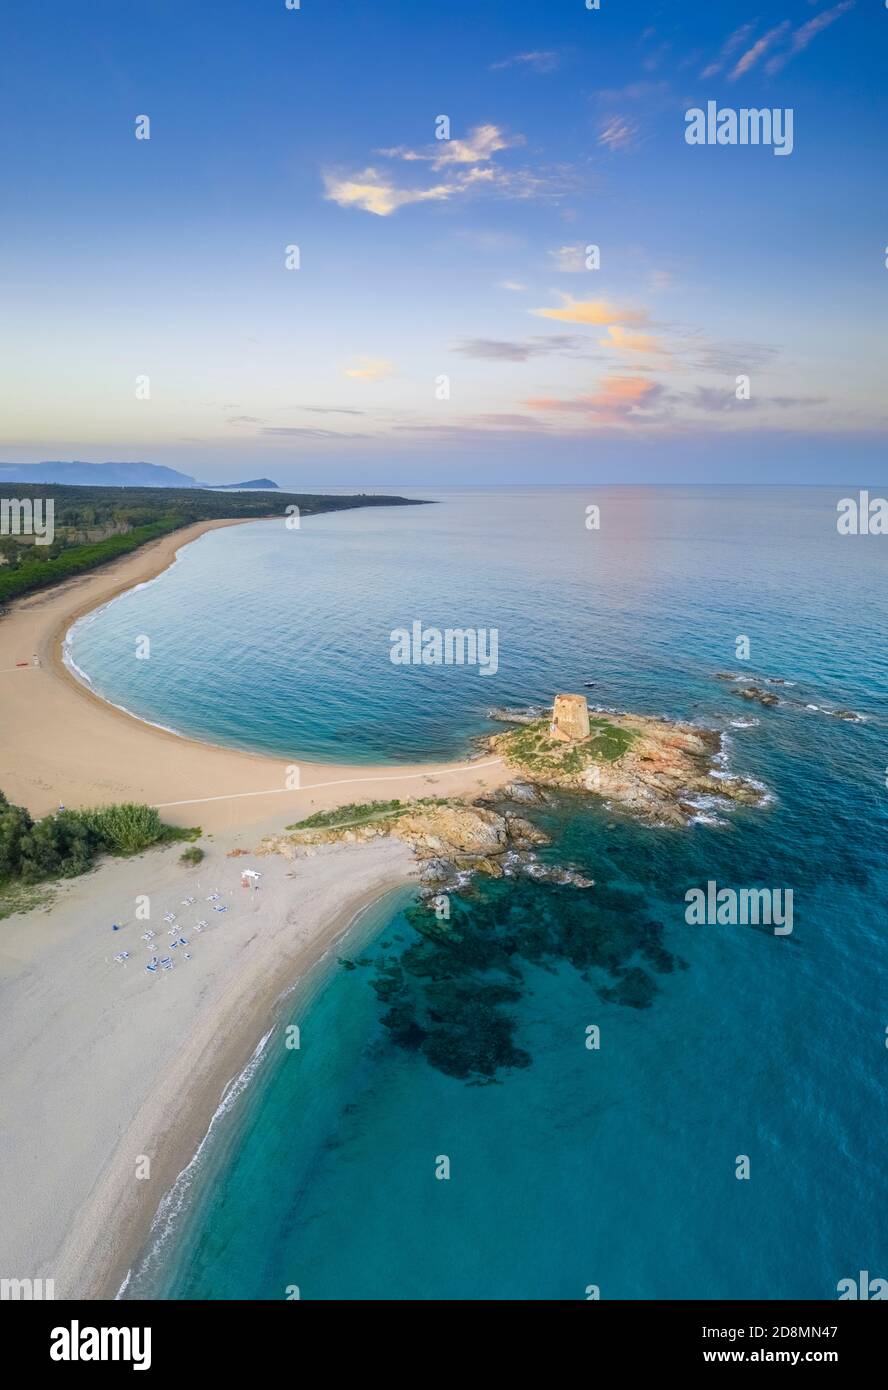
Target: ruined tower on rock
[(570, 718)]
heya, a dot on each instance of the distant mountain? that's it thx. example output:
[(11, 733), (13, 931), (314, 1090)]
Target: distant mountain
[(96, 474), (258, 484), (75, 474)]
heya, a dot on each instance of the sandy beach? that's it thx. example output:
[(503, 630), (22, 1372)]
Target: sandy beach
[(104, 1063), (60, 743)]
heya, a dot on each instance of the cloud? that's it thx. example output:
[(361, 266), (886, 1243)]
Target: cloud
[(592, 311), (244, 420), (731, 358), (374, 192), (510, 285), (618, 399), (618, 133), (542, 61), (477, 427), (806, 33), (467, 168), (481, 144), (749, 59), (300, 432), (369, 369), (625, 341), (495, 349), (717, 399), (731, 44), (332, 410), (570, 260)]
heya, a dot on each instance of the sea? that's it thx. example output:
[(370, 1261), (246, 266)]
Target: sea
[(566, 1093)]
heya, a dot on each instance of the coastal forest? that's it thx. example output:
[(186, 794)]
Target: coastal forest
[(93, 525)]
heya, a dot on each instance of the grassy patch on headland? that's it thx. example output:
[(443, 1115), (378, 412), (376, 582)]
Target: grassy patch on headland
[(532, 747), (364, 813)]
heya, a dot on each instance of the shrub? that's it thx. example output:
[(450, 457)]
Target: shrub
[(15, 823), (124, 828), (193, 855), (59, 846)]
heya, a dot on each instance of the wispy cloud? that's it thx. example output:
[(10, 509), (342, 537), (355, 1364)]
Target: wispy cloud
[(570, 260), (369, 369), (618, 399), (375, 192), (305, 432), (625, 341), (752, 55), (466, 166), (505, 351), (806, 34), (788, 41), (481, 144), (540, 61), (618, 133), (729, 47), (591, 311), (514, 285)]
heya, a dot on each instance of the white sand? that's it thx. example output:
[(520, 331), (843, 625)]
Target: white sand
[(101, 1063), (60, 743)]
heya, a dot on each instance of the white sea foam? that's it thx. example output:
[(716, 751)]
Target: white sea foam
[(173, 1203)]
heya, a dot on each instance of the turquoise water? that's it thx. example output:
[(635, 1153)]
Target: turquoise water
[(614, 1167)]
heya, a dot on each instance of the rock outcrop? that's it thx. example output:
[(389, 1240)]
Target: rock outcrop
[(654, 769)]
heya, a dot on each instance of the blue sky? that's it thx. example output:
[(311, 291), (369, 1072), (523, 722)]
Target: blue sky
[(422, 259)]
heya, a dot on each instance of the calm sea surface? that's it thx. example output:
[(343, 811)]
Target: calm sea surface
[(612, 1167)]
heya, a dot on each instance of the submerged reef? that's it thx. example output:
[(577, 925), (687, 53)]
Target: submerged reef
[(448, 995)]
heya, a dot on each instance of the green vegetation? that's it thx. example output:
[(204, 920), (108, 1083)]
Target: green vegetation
[(123, 829), (357, 813), (365, 813), (194, 855), (532, 747), (94, 525), (67, 843)]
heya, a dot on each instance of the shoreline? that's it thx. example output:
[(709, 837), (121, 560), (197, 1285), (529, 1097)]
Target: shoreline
[(62, 743), (198, 1105), (148, 1235), (148, 1059)]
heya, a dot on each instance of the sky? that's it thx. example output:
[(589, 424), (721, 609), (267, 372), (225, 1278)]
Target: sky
[(445, 324)]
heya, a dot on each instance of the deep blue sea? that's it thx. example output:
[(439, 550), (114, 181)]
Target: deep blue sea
[(616, 1167)]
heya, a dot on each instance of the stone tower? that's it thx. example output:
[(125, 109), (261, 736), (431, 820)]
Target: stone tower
[(570, 717)]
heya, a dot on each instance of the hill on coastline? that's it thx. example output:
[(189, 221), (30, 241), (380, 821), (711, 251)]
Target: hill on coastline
[(74, 473)]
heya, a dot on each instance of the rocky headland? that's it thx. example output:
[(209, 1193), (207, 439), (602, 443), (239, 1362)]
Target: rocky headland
[(653, 769)]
